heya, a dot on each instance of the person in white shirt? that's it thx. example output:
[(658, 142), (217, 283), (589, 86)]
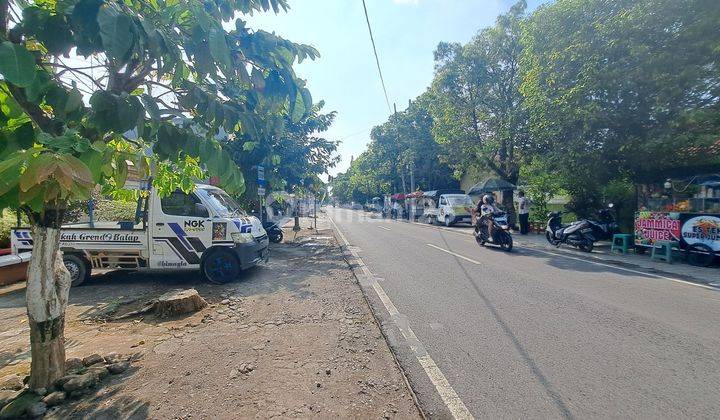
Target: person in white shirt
[(523, 212), (396, 210)]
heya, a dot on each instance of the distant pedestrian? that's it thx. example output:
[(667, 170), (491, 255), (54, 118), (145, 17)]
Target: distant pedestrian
[(523, 212)]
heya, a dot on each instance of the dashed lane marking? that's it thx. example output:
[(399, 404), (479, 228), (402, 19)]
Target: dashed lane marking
[(454, 254), (448, 395), (590, 259), (383, 227)]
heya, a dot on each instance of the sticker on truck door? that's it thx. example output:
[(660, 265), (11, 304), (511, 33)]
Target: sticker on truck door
[(219, 231)]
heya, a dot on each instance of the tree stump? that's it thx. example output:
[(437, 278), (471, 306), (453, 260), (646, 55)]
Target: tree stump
[(178, 302)]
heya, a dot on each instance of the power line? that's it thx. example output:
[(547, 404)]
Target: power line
[(377, 60)]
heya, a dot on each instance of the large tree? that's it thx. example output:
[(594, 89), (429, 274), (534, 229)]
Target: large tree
[(89, 85), (479, 113), (294, 156), (402, 147), (621, 89)]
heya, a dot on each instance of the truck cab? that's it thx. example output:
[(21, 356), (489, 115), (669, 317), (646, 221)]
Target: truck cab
[(204, 230), (447, 207)]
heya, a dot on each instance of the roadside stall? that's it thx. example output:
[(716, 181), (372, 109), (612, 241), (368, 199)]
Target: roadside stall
[(400, 199), (682, 213), (413, 205)]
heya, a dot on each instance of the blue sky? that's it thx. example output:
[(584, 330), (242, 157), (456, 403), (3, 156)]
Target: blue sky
[(345, 76)]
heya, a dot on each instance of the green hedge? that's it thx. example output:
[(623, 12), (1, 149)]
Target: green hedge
[(110, 210), (105, 210), (7, 222)]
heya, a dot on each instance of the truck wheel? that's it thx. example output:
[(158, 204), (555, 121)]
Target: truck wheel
[(449, 221), (276, 236), (221, 267), (79, 271)]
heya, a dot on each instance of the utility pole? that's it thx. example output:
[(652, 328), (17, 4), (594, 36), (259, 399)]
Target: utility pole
[(412, 177)]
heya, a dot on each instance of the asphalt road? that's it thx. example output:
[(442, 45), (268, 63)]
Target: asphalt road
[(532, 334)]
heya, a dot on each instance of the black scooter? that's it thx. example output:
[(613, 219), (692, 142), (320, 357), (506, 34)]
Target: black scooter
[(583, 233), (275, 234), (501, 231)]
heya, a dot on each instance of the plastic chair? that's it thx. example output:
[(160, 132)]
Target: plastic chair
[(666, 247), (621, 242)]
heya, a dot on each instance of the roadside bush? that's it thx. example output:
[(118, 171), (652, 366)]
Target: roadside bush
[(108, 210), (622, 194), (7, 221), (105, 210), (541, 185)]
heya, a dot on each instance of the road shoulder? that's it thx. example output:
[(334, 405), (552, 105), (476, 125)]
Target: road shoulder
[(294, 338)]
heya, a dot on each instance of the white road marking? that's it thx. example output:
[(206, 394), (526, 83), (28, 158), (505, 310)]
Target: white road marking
[(673, 279), (453, 253), (448, 395), (590, 260), (383, 227)]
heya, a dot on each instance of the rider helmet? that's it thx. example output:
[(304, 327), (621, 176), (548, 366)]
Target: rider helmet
[(488, 199)]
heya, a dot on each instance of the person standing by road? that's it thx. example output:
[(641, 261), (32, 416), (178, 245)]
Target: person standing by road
[(523, 212)]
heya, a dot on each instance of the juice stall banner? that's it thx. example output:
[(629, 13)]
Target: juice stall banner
[(686, 228), (656, 226), (703, 230)]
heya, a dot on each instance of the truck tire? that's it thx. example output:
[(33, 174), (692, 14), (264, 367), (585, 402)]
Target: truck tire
[(78, 268), (221, 266), (449, 221), (275, 236)]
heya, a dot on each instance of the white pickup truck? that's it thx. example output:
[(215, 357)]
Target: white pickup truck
[(447, 207), (205, 230)]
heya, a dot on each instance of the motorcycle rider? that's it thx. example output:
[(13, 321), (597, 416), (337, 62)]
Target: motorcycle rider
[(486, 206)]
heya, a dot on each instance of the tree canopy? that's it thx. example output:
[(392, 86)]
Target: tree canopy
[(93, 89), (403, 144), (620, 89), (584, 97)]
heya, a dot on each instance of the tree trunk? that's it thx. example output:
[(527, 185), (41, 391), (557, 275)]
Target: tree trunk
[(178, 302), (48, 287), (509, 206)]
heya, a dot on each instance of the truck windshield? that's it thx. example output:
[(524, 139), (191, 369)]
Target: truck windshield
[(223, 204), (459, 200)]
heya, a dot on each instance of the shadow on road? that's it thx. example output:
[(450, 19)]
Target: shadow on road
[(522, 352)]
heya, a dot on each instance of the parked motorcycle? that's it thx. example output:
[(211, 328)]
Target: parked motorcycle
[(501, 231), (275, 234), (581, 234)]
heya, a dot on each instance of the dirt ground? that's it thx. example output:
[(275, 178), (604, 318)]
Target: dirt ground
[(293, 338)]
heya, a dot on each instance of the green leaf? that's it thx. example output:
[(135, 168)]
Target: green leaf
[(307, 100), (94, 161), (150, 106), (22, 137), (39, 87), (219, 50), (249, 146), (10, 172), (119, 113), (121, 172), (38, 170), (169, 140), (17, 64), (258, 79), (116, 32), (297, 108), (74, 101)]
